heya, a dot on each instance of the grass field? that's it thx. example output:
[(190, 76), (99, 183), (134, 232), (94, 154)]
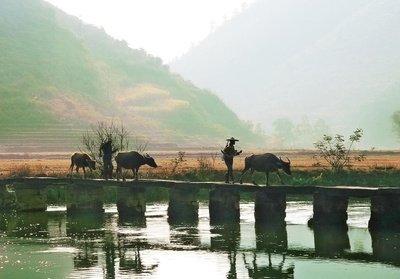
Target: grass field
[(378, 169)]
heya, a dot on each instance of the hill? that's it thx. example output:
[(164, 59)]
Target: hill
[(332, 60), (59, 75)]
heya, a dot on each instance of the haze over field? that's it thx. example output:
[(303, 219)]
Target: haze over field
[(334, 62)]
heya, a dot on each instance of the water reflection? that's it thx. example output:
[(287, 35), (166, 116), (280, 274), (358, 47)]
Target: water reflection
[(271, 238), (270, 270), (106, 245), (330, 241), (24, 224), (386, 246), (184, 232), (85, 225), (130, 260), (226, 237), (86, 256)]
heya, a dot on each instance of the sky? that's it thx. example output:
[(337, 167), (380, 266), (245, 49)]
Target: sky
[(166, 29)]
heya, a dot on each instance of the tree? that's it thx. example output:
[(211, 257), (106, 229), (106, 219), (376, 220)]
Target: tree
[(100, 133), (334, 151)]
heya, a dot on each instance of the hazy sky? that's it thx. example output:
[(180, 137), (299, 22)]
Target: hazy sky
[(163, 28)]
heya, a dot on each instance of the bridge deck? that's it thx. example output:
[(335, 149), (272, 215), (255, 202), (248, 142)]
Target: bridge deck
[(350, 191)]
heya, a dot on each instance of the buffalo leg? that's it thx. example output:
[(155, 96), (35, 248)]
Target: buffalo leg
[(71, 169), (280, 177), (123, 175), (252, 177), (84, 172), (267, 176), (136, 172), (118, 171)]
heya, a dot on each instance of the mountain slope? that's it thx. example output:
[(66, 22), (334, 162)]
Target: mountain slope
[(331, 60), (59, 75)]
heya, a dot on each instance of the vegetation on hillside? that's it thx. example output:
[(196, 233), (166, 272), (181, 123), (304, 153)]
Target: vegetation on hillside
[(59, 72)]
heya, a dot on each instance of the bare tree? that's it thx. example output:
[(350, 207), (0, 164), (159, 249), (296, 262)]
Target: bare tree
[(140, 144), (103, 131)]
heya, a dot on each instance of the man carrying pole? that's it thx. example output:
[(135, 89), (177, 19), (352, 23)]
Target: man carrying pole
[(229, 153)]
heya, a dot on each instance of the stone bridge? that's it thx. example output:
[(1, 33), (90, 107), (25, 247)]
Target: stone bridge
[(329, 203)]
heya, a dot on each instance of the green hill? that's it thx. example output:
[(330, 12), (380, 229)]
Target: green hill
[(58, 75)]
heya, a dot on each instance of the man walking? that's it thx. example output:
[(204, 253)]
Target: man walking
[(229, 153)]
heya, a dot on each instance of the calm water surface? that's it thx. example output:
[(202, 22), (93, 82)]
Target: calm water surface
[(54, 245)]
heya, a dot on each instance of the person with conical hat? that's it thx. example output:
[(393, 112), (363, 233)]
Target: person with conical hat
[(229, 153)]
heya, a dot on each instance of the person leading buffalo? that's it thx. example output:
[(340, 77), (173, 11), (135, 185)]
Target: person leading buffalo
[(106, 152), (229, 153)]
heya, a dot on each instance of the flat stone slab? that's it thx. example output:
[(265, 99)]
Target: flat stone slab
[(349, 191)]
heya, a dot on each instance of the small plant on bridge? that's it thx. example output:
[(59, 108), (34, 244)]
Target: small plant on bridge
[(335, 152), (177, 161)]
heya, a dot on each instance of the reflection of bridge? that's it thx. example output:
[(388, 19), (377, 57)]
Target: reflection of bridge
[(329, 203), (90, 233)]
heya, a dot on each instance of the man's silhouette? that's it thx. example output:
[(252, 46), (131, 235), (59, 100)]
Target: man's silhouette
[(229, 153), (106, 152)]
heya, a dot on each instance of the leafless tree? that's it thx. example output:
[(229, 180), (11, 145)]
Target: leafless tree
[(100, 133), (140, 144)]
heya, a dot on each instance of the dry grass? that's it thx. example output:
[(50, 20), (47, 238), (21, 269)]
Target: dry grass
[(202, 161)]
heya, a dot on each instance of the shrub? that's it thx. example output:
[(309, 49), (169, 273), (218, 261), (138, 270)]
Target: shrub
[(334, 151)]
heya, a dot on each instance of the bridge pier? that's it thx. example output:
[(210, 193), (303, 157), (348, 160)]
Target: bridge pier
[(183, 204), (386, 245), (224, 205), (329, 209), (270, 207), (84, 198), (8, 198), (131, 201), (385, 212), (30, 198)]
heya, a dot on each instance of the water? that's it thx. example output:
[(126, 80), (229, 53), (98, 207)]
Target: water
[(53, 245)]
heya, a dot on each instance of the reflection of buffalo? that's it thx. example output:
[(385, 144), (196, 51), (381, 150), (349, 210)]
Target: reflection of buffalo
[(269, 271), (265, 163), (81, 160), (133, 161)]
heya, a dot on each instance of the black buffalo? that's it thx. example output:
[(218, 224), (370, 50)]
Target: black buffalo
[(133, 160), (81, 160), (265, 163)]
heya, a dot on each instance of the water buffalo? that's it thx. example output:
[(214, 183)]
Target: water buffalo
[(133, 160), (265, 163), (81, 160)]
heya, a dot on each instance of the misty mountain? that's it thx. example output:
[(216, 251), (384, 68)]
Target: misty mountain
[(59, 75), (331, 60)]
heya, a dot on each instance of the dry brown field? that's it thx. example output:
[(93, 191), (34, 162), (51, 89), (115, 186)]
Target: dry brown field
[(57, 164)]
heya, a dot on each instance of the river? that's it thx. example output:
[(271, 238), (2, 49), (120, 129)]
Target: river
[(53, 245)]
